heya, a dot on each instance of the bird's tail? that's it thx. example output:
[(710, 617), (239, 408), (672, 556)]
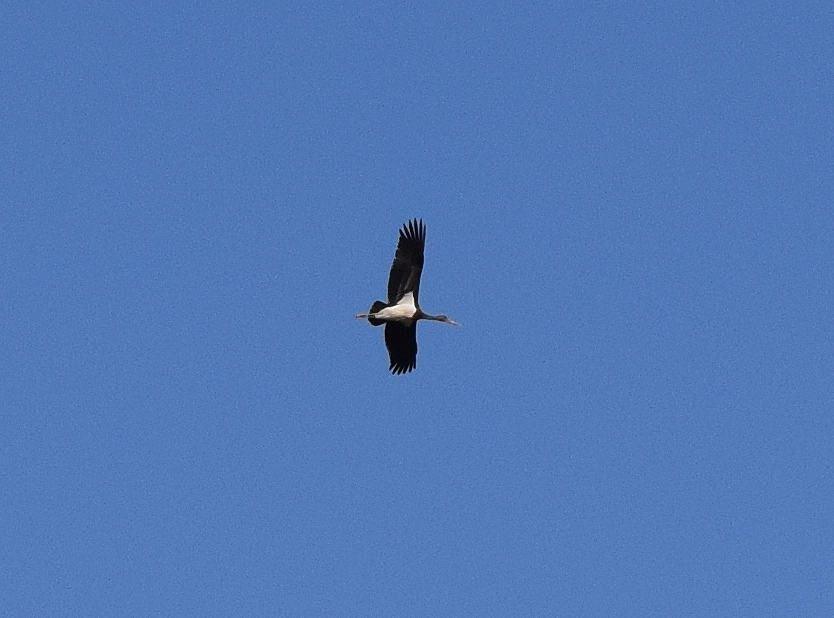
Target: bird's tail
[(377, 306)]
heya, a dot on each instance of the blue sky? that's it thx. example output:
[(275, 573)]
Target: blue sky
[(628, 208)]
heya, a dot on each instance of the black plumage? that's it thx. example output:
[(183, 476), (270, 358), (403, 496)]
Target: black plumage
[(408, 262), (402, 311), (401, 341)]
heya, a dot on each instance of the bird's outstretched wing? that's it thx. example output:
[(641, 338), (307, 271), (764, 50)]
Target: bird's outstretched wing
[(401, 341), (408, 262)]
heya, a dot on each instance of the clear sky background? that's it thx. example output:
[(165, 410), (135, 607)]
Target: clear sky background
[(629, 208)]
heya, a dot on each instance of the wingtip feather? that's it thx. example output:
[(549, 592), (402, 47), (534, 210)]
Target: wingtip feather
[(413, 229)]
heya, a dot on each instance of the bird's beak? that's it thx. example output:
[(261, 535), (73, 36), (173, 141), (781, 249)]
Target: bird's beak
[(453, 323)]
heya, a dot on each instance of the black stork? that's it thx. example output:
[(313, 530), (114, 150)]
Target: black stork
[(402, 311)]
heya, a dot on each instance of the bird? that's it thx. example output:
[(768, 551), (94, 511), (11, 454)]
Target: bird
[(402, 311)]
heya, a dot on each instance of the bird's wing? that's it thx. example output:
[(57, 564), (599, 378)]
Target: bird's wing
[(401, 341), (408, 262)]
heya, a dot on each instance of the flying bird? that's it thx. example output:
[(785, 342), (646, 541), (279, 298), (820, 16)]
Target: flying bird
[(402, 311)]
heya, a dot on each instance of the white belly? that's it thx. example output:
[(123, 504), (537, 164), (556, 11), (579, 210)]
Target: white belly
[(403, 311)]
